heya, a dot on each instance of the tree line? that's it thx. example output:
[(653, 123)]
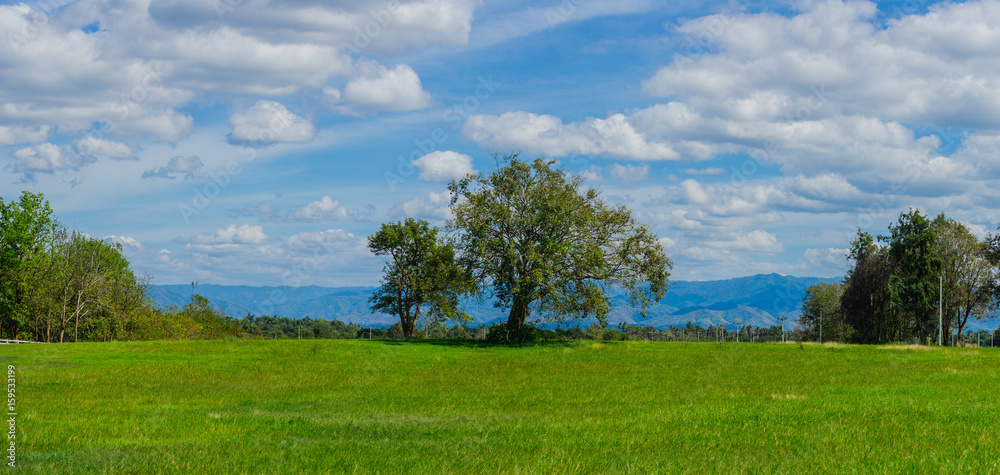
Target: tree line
[(924, 280), (59, 285)]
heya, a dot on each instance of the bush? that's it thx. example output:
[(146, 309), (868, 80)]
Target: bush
[(499, 334)]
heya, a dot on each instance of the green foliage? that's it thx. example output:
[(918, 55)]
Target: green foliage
[(502, 334), (866, 301), (968, 274), (421, 275), (914, 284), (57, 285), (539, 240), (893, 292), (821, 306), (26, 226)]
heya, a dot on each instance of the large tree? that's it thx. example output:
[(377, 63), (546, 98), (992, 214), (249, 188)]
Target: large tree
[(539, 239), (421, 274), (914, 284), (25, 227), (967, 273)]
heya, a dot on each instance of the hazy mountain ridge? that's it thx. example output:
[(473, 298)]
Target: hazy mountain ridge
[(757, 300)]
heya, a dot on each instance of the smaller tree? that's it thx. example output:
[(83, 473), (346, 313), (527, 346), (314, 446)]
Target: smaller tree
[(421, 275), (821, 307), (968, 274)]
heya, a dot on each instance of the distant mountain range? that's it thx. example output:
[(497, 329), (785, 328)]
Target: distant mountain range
[(758, 300)]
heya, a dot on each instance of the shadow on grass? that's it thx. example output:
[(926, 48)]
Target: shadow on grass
[(478, 343)]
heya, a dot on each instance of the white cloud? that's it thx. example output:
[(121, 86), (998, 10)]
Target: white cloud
[(307, 242), (326, 209), (592, 173), (233, 234), (269, 122), (103, 146), (231, 239), (228, 255), (628, 175), (378, 88), (47, 158), (150, 59), (21, 134), (702, 171), (434, 207), (758, 240), (166, 125), (177, 166), (363, 26), (827, 257), (128, 243), (443, 165), (932, 68), (546, 134)]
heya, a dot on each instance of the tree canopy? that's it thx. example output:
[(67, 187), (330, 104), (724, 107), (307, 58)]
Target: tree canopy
[(541, 241), (421, 274), (898, 283)]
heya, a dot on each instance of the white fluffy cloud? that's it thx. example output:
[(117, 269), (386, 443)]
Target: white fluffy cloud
[(150, 59), (177, 166), (546, 134), (366, 26), (378, 88), (325, 209), (434, 207), (628, 175), (443, 165), (269, 122), (103, 146), (47, 158), (21, 134), (127, 242), (230, 239), (306, 258), (818, 93), (233, 234)]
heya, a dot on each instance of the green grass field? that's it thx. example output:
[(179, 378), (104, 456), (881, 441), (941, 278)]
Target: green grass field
[(380, 406)]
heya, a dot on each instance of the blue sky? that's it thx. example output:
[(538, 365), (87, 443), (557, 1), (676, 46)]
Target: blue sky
[(259, 143)]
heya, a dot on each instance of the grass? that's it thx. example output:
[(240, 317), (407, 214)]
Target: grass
[(359, 406)]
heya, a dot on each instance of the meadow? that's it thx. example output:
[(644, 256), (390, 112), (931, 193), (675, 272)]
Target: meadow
[(357, 406)]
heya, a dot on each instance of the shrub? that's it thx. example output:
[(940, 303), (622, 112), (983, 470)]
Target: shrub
[(500, 334)]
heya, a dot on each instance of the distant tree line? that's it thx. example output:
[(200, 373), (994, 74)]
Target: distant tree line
[(59, 285), (924, 278), (285, 328)]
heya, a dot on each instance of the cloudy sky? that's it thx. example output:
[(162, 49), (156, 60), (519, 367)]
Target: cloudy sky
[(260, 142)]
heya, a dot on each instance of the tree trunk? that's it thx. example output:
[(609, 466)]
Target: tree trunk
[(518, 314)]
